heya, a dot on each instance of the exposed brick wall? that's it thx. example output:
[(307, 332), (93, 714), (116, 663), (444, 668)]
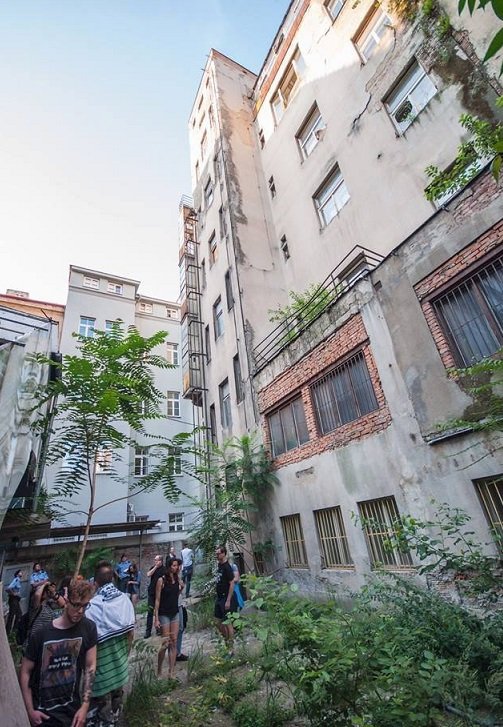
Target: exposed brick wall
[(350, 337), (484, 190), (455, 266)]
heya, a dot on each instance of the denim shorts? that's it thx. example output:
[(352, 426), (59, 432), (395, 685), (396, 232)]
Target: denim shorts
[(166, 620)]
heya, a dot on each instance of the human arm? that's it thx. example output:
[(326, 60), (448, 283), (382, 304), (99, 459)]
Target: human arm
[(158, 589), (35, 716), (230, 591), (79, 718), (152, 570)]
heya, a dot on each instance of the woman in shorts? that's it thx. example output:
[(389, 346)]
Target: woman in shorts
[(166, 614)]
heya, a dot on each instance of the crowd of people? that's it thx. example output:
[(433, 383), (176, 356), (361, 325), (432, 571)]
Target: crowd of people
[(76, 638)]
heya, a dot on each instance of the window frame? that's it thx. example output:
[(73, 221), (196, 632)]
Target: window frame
[(218, 318), (145, 307), (272, 187), (91, 283), (326, 192), (295, 545), (375, 19), (492, 506), (238, 379), (173, 404), (400, 94), (213, 248), (115, 288), (174, 520), (335, 378), (283, 246), (332, 538), (291, 406), (224, 395), (288, 85), (207, 343), (209, 193), (377, 534), (229, 294), (172, 358), (307, 131), (141, 462), (329, 4), (87, 329), (103, 462), (172, 313)]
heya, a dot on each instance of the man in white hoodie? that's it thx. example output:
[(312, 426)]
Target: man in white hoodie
[(114, 616)]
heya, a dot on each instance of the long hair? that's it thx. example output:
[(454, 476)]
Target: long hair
[(169, 575)]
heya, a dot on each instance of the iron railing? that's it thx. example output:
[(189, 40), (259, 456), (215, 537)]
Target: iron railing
[(357, 263)]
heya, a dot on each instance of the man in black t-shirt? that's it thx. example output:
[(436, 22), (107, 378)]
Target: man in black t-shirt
[(226, 600), (53, 663)]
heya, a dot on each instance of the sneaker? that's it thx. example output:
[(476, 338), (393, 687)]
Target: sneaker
[(182, 657)]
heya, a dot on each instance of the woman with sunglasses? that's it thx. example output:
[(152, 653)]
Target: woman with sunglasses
[(166, 614)]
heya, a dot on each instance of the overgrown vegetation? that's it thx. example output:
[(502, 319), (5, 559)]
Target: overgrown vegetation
[(303, 308)]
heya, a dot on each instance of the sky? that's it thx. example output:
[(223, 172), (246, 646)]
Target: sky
[(95, 97)]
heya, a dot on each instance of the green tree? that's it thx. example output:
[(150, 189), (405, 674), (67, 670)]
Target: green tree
[(104, 396)]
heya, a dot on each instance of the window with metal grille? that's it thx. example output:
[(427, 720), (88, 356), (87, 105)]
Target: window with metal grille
[(343, 395), (288, 427), (380, 519), (294, 541), (141, 462), (471, 314), (332, 537), (490, 492)]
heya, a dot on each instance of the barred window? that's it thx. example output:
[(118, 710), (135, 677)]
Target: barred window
[(288, 427), (380, 518), (332, 537), (471, 314), (294, 541), (490, 492), (344, 394)]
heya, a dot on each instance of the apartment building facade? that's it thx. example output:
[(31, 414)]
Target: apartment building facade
[(313, 173), (97, 300)]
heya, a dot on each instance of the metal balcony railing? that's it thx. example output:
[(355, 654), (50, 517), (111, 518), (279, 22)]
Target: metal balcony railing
[(357, 263)]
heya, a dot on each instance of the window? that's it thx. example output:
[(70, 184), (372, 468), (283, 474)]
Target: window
[(343, 395), (213, 424), (207, 343), (331, 197), (332, 537), (309, 133), (172, 312), (204, 145), (228, 290), (371, 32), (380, 519), (175, 522), (103, 462), (334, 7), (203, 274), (490, 492), (172, 353), (284, 247), (464, 173), (409, 96), (211, 117), (173, 401), (197, 171), (213, 249), (176, 462), (222, 222), (208, 193), (471, 314), (258, 559), (93, 283), (272, 187), (261, 138), (238, 379), (145, 308), (86, 326), (109, 326), (225, 404), (201, 120), (218, 318), (115, 288), (141, 462), (287, 427), (288, 85), (294, 541), (217, 166)]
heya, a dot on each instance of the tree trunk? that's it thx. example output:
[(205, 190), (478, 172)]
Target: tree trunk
[(90, 514), (11, 701)]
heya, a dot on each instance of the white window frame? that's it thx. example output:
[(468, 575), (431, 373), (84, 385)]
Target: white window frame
[(224, 391), (372, 30), (173, 403), (288, 85), (307, 138), (87, 326), (115, 288), (176, 522), (88, 282), (213, 248), (209, 193), (332, 192), (141, 461), (103, 462), (172, 313), (405, 94), (172, 356), (334, 7), (145, 307), (218, 318)]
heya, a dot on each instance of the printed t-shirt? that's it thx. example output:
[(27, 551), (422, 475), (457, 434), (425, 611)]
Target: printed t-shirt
[(59, 656)]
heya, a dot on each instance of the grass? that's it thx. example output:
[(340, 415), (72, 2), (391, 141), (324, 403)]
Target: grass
[(201, 614)]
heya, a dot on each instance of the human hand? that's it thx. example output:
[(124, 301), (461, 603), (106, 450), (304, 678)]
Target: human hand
[(36, 717), (79, 719), (227, 605), (157, 623)]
